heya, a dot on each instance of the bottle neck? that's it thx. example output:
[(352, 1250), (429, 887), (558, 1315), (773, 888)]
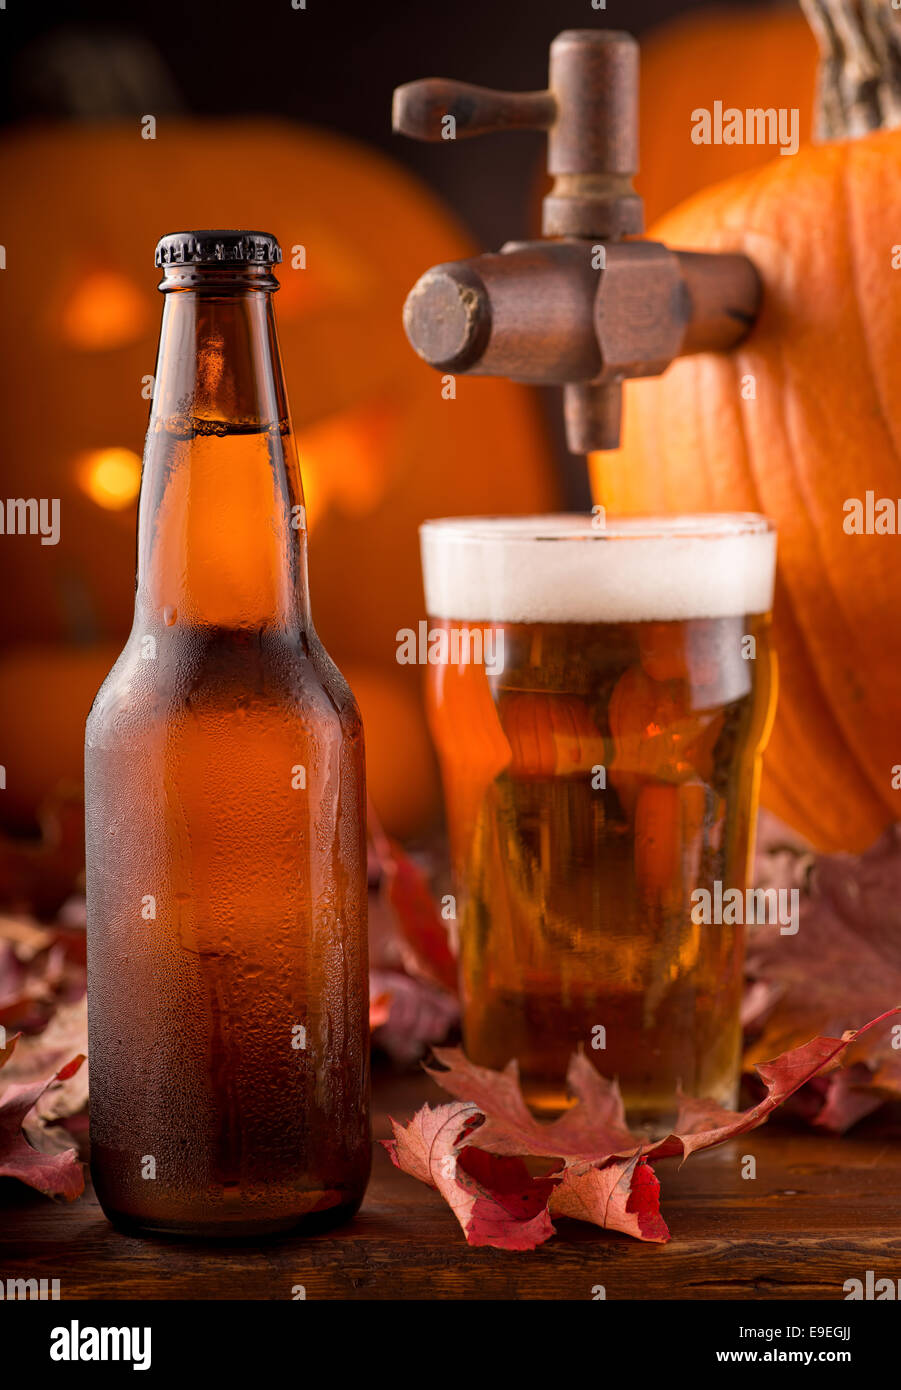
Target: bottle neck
[(222, 537)]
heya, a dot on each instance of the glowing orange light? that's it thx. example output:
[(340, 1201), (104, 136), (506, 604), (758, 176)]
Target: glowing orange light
[(342, 460), (105, 311), (110, 477)]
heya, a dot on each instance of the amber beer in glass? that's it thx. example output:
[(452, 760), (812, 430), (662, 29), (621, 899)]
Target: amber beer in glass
[(226, 860), (600, 747)]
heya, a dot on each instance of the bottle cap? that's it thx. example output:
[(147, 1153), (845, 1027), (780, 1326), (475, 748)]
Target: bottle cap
[(217, 247)]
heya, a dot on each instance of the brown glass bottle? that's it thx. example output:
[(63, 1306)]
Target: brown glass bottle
[(224, 776)]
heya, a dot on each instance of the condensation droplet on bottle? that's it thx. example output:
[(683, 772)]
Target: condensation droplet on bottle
[(170, 615)]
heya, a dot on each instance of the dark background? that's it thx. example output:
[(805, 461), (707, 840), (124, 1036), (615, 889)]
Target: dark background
[(334, 65)]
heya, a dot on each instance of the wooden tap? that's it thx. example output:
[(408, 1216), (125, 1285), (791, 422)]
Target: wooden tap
[(592, 303)]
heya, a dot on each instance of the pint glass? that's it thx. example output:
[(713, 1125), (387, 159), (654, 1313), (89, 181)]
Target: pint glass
[(600, 698)]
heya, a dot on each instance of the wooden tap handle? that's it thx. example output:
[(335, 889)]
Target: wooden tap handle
[(421, 110), (590, 113)]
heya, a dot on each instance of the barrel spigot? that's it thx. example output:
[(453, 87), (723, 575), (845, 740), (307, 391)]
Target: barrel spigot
[(590, 304)]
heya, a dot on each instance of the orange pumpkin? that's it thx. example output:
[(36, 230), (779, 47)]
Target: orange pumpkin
[(45, 689), (755, 56), (550, 734), (381, 448), (803, 416), (460, 697)]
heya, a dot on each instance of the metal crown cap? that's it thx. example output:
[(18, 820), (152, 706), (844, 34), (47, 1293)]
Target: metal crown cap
[(217, 247)]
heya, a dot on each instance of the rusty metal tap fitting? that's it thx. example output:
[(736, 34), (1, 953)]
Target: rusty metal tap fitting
[(585, 307)]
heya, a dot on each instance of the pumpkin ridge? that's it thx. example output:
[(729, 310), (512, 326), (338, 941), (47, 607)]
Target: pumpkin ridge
[(755, 194), (758, 187), (701, 415), (709, 489), (822, 426), (805, 649), (813, 542), (780, 779), (851, 244), (851, 728)]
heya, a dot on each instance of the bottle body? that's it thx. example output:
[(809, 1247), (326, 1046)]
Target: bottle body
[(226, 854)]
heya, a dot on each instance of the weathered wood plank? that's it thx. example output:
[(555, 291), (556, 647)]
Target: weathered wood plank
[(821, 1210)]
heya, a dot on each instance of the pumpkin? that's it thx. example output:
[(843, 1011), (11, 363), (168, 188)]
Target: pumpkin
[(45, 689), (753, 56), (803, 416), (381, 448), (460, 697), (550, 735)]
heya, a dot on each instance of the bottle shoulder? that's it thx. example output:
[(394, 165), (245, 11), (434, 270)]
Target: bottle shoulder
[(166, 674)]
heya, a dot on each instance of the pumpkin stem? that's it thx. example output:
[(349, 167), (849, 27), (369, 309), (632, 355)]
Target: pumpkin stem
[(859, 85)]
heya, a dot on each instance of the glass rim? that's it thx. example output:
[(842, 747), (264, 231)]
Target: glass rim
[(581, 526)]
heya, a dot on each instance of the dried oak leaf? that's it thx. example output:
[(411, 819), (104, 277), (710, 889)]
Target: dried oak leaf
[(421, 937), (844, 960), (496, 1200), (414, 1014), (622, 1195), (595, 1127), (37, 1057), (40, 969), (473, 1154), (422, 934), (602, 1172), (594, 1130), (55, 1174), (379, 1003)]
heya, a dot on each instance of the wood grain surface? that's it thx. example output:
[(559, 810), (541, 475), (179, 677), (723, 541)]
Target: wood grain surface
[(820, 1210)]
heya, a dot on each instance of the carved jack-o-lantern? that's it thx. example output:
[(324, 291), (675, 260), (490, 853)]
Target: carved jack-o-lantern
[(382, 446)]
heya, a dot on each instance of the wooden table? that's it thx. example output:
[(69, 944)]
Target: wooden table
[(821, 1210)]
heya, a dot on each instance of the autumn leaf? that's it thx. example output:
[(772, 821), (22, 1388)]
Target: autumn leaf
[(422, 937), (493, 1195), (509, 1208), (622, 1195), (55, 1174), (474, 1152), (595, 1127), (8, 1047), (703, 1124), (421, 1147), (40, 969), (495, 1200), (37, 1057), (844, 960), (409, 1014)]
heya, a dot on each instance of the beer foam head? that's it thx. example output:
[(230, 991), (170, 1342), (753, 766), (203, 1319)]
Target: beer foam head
[(566, 569)]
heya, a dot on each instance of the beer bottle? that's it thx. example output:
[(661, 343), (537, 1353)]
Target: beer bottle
[(225, 809)]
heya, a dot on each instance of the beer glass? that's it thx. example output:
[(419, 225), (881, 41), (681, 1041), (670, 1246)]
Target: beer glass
[(600, 697)]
